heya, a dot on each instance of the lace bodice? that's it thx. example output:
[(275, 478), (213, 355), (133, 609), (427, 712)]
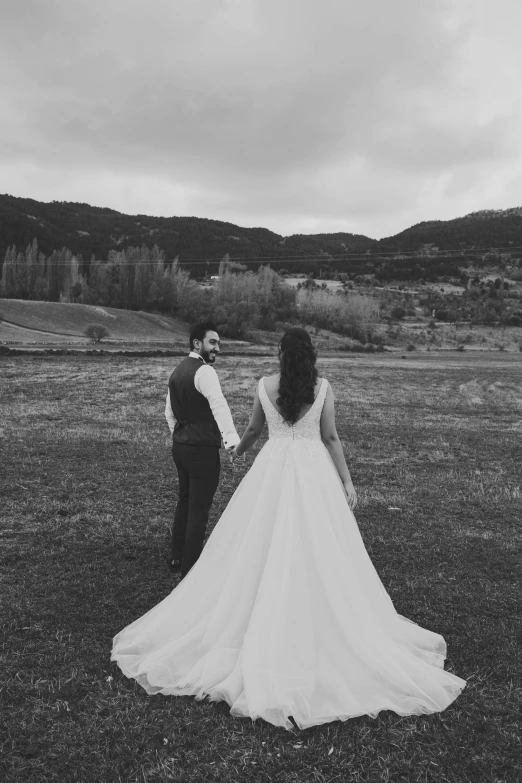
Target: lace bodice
[(307, 428)]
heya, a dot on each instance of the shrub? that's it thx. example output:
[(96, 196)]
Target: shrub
[(398, 313), (355, 315), (394, 333), (352, 347), (357, 347), (411, 347), (245, 301), (267, 319), (373, 348), (461, 348), (234, 321), (96, 332)]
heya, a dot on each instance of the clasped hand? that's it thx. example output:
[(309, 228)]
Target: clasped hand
[(350, 494), (235, 457)]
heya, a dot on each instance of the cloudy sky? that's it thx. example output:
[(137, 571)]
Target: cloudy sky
[(302, 116)]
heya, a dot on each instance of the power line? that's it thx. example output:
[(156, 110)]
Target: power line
[(316, 258), (342, 256), (360, 254)]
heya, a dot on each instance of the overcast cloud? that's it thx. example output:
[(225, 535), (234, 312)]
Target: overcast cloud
[(297, 115)]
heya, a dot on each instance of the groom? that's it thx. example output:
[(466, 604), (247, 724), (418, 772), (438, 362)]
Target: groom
[(200, 420)]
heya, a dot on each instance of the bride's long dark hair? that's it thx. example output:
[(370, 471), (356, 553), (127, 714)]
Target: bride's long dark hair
[(297, 359)]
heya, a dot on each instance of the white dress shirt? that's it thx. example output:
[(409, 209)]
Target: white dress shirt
[(207, 383)]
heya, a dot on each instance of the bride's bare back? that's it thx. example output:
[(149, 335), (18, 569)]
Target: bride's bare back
[(271, 383)]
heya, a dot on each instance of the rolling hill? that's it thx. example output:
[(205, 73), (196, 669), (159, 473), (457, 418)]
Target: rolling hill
[(45, 321), (89, 231), (94, 230), (501, 229)]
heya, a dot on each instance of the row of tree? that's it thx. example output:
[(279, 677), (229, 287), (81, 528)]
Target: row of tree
[(130, 279), (484, 302), (238, 300)]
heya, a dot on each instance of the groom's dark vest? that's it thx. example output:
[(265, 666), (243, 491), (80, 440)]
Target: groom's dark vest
[(195, 423)]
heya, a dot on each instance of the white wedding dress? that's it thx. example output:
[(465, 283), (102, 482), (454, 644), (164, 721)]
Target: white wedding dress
[(284, 614)]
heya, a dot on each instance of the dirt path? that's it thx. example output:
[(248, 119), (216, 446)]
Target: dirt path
[(11, 332), (32, 330)]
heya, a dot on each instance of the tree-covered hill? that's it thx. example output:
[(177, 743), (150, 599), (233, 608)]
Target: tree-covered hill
[(500, 229), (94, 230), (430, 250)]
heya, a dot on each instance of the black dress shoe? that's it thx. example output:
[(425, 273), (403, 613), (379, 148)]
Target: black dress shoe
[(173, 565)]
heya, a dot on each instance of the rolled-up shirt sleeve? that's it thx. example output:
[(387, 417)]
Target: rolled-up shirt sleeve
[(169, 415), (206, 381)]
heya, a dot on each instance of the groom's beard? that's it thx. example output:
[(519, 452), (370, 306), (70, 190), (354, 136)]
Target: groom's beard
[(209, 357)]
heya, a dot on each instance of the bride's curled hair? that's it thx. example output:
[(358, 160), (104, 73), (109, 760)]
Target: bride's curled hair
[(297, 359)]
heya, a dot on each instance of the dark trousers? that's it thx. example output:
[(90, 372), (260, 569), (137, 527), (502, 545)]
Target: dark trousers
[(198, 471)]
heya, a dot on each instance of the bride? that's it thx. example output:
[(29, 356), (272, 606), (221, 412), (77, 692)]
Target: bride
[(284, 616)]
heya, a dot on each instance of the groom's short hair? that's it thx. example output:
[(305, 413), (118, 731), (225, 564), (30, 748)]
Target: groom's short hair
[(199, 331)]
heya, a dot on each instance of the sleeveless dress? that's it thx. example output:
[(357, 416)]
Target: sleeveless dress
[(284, 614)]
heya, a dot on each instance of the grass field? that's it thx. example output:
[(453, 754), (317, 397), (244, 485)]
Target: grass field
[(435, 449), (59, 320)]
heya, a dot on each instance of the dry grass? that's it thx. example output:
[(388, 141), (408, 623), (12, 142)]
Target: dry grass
[(452, 336), (434, 450), (70, 320)]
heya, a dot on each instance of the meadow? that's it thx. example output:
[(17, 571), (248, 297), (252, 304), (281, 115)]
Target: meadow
[(434, 444), (24, 321)]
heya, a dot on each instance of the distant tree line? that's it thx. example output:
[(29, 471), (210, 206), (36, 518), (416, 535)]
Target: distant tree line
[(139, 278), (135, 278), (427, 252), (240, 299), (90, 230), (483, 302)]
